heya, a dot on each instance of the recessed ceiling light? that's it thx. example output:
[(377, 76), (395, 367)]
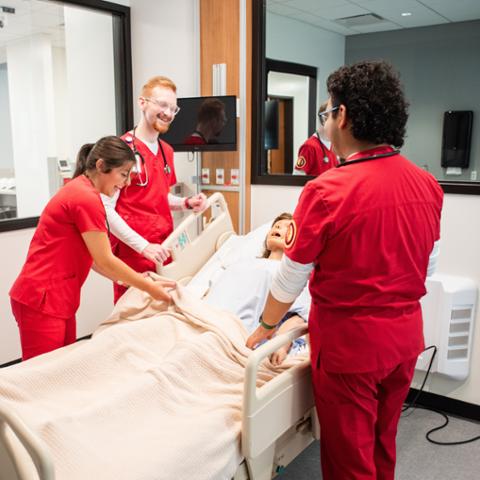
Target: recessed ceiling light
[(406, 14)]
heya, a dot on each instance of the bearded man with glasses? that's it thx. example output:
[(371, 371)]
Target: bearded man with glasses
[(140, 217)]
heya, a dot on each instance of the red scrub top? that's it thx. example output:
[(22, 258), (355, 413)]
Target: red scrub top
[(195, 138), (145, 208), (314, 157), (369, 228), (58, 260)]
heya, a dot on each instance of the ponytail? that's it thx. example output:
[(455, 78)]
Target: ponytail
[(82, 156), (112, 150)]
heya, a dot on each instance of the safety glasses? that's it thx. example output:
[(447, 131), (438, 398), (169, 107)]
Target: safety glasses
[(163, 106), (322, 116)]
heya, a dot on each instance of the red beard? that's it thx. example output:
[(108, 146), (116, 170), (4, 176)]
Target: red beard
[(161, 127)]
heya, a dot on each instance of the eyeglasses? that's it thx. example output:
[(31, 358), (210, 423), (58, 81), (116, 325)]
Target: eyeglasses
[(163, 106), (322, 116)]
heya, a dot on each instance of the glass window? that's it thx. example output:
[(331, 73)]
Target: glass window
[(57, 92)]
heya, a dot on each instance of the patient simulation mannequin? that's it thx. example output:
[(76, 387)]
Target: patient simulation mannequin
[(242, 288)]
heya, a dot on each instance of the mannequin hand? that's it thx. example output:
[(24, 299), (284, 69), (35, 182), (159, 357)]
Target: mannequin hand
[(198, 202), (280, 355), (258, 336), (159, 291), (156, 253)]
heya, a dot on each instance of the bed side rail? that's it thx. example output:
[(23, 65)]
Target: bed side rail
[(188, 256), (269, 411), (23, 448)]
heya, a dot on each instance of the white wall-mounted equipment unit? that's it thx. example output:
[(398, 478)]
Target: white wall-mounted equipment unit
[(448, 322)]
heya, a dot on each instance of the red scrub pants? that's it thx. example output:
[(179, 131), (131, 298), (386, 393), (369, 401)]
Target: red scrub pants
[(358, 416), (40, 332)]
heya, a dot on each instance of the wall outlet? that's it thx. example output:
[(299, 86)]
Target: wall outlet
[(205, 176), (220, 176), (473, 175), (234, 176)]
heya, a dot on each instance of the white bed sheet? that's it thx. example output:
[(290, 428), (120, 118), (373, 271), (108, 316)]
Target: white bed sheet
[(236, 248)]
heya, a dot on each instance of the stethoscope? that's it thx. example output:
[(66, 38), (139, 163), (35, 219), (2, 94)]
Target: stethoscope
[(344, 163), (141, 161)]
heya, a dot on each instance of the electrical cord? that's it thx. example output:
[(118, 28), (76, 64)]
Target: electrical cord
[(413, 405)]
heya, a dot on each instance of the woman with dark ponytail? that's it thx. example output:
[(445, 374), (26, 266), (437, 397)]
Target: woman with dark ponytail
[(71, 235)]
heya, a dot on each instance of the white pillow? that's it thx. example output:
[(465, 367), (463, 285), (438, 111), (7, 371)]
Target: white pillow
[(235, 249)]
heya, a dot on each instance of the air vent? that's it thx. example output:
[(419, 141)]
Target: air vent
[(360, 20)]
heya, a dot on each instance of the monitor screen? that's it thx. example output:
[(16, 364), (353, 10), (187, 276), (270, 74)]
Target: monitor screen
[(204, 124)]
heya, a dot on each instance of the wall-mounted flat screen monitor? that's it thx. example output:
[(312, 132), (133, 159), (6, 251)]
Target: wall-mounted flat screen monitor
[(204, 124)]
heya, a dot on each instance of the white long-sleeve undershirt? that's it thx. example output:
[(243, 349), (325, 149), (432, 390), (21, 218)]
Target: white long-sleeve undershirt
[(120, 228), (291, 277)]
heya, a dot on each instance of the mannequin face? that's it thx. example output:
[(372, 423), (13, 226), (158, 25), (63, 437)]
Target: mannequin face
[(276, 236)]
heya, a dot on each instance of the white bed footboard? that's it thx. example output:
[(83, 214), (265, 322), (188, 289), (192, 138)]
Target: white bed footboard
[(190, 255), (271, 411), (22, 453)]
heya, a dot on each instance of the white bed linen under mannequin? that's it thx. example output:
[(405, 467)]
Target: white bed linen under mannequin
[(242, 289)]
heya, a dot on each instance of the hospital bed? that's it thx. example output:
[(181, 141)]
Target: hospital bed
[(278, 419)]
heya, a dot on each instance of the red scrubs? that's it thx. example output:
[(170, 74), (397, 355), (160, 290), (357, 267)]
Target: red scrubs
[(369, 228), (145, 208), (314, 157), (46, 294)]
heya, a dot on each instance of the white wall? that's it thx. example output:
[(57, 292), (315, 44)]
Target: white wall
[(165, 41), (30, 83), (91, 96), (6, 152)]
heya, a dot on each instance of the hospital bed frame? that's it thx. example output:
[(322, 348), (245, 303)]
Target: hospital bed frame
[(279, 419)]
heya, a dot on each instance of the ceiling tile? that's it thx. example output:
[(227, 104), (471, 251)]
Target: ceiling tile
[(456, 11), (392, 11), (315, 5), (341, 11), (319, 22)]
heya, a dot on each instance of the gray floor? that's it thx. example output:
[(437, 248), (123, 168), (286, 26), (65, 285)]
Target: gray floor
[(418, 459)]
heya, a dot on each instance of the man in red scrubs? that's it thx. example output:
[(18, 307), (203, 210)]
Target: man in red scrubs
[(314, 157), (366, 229), (141, 217)]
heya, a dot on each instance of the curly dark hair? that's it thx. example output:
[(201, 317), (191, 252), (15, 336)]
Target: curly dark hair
[(373, 96)]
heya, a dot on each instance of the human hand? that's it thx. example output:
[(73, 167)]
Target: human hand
[(258, 336), (158, 290), (197, 202), (156, 253), (280, 355)]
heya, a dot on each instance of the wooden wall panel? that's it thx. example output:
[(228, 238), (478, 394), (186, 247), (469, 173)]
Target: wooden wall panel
[(220, 43), (232, 202)]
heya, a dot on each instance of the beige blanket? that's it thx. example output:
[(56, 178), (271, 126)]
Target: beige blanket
[(155, 394)]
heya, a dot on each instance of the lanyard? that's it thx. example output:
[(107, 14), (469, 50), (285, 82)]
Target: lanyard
[(369, 157)]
